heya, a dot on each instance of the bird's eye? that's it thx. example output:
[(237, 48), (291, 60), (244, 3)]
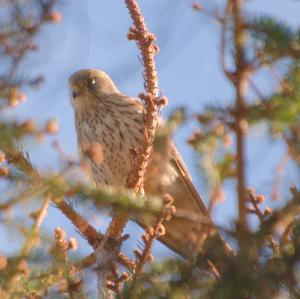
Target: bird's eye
[(92, 83)]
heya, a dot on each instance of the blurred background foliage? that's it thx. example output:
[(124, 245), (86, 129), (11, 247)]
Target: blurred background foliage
[(266, 260)]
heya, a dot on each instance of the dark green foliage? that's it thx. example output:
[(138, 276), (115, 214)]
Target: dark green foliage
[(272, 39)]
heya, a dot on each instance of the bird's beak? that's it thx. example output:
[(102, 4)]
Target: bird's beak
[(75, 89), (74, 95)]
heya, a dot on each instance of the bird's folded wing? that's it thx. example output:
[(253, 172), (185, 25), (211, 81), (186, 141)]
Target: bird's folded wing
[(191, 224)]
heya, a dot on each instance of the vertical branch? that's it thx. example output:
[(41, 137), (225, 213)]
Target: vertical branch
[(144, 40), (135, 181), (240, 80), (241, 85)]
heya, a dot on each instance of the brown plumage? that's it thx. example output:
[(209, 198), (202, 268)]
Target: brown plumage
[(109, 127)]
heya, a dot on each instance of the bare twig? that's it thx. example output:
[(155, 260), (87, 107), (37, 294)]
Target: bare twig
[(256, 200), (279, 172), (286, 234), (24, 34), (224, 41), (152, 233), (38, 219), (213, 270)]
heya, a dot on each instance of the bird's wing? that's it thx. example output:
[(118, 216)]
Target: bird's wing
[(186, 177), (190, 226)]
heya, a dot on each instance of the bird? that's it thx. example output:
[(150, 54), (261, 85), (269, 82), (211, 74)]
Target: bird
[(110, 129)]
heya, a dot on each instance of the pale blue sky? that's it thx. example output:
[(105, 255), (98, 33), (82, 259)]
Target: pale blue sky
[(93, 33)]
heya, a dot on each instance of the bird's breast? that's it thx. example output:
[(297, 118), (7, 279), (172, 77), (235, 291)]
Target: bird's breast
[(107, 143)]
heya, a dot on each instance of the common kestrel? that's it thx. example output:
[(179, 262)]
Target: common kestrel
[(112, 125)]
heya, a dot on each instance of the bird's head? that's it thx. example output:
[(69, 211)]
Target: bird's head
[(90, 85)]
